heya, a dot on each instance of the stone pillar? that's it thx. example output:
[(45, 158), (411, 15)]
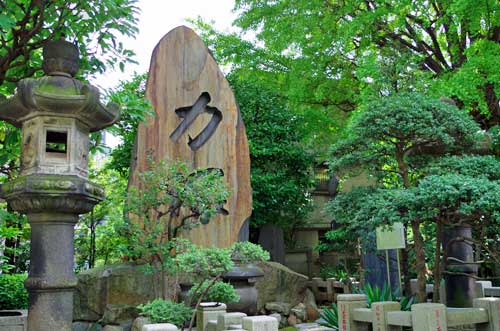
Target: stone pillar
[(492, 305), (428, 317), (346, 303), (51, 279), (460, 289), (379, 314), (208, 311)]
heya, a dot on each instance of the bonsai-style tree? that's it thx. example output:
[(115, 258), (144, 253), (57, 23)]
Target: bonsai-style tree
[(206, 266), (171, 198), (393, 139)]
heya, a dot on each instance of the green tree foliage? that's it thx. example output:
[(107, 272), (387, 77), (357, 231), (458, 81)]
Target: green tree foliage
[(333, 54), (206, 266), (394, 138), (26, 25), (14, 242), (170, 198), (134, 109), (97, 238), (13, 295), (165, 311), (281, 172)]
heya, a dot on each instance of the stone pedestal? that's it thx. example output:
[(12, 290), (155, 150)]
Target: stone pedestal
[(208, 311), (346, 304), (51, 279), (52, 204), (429, 316)]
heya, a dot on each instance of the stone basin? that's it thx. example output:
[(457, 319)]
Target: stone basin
[(13, 320)]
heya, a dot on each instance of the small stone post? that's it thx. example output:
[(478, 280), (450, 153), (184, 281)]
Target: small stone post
[(492, 305), (379, 314), (56, 113), (346, 303), (208, 311), (480, 286), (429, 317)]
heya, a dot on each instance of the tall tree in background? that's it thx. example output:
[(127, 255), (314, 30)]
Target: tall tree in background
[(394, 139), (333, 53), (26, 25), (281, 173)]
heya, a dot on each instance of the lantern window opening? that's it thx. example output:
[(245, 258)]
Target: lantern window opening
[(56, 142)]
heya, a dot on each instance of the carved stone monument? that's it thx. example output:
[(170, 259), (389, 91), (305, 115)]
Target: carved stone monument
[(196, 120), (56, 113)]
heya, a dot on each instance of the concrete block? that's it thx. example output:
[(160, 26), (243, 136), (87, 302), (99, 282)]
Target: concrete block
[(228, 319), (208, 311), (429, 316), (235, 327), (492, 305), (260, 323), (211, 325)]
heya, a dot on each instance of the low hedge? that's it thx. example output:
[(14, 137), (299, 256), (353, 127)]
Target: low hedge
[(13, 295)]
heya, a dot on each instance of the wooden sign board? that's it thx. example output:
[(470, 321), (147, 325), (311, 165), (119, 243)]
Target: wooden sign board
[(196, 120)]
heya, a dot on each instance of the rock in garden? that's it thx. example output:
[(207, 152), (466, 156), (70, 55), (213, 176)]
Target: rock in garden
[(86, 326), (112, 328), (278, 307), (299, 311), (292, 320), (139, 322), (113, 285), (280, 284), (312, 311), (117, 314), (196, 120)]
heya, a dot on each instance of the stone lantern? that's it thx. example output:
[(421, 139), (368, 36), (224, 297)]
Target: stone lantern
[(56, 113)]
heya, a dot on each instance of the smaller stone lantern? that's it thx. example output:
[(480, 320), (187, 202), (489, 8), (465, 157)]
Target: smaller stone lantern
[(56, 113)]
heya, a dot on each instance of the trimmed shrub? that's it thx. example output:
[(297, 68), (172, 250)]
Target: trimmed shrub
[(13, 295)]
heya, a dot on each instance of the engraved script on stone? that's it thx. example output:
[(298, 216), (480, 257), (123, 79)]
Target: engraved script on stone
[(189, 114), (196, 120)]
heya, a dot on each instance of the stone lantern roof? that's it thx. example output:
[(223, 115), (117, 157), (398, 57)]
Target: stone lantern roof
[(58, 94)]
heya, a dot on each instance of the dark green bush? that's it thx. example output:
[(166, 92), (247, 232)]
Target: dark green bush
[(219, 292), (13, 295), (164, 311)]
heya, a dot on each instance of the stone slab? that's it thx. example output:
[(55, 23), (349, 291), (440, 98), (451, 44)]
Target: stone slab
[(196, 120), (260, 323), (159, 327), (230, 321)]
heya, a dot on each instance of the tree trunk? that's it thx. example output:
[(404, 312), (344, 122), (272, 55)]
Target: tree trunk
[(420, 261), (437, 262)]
